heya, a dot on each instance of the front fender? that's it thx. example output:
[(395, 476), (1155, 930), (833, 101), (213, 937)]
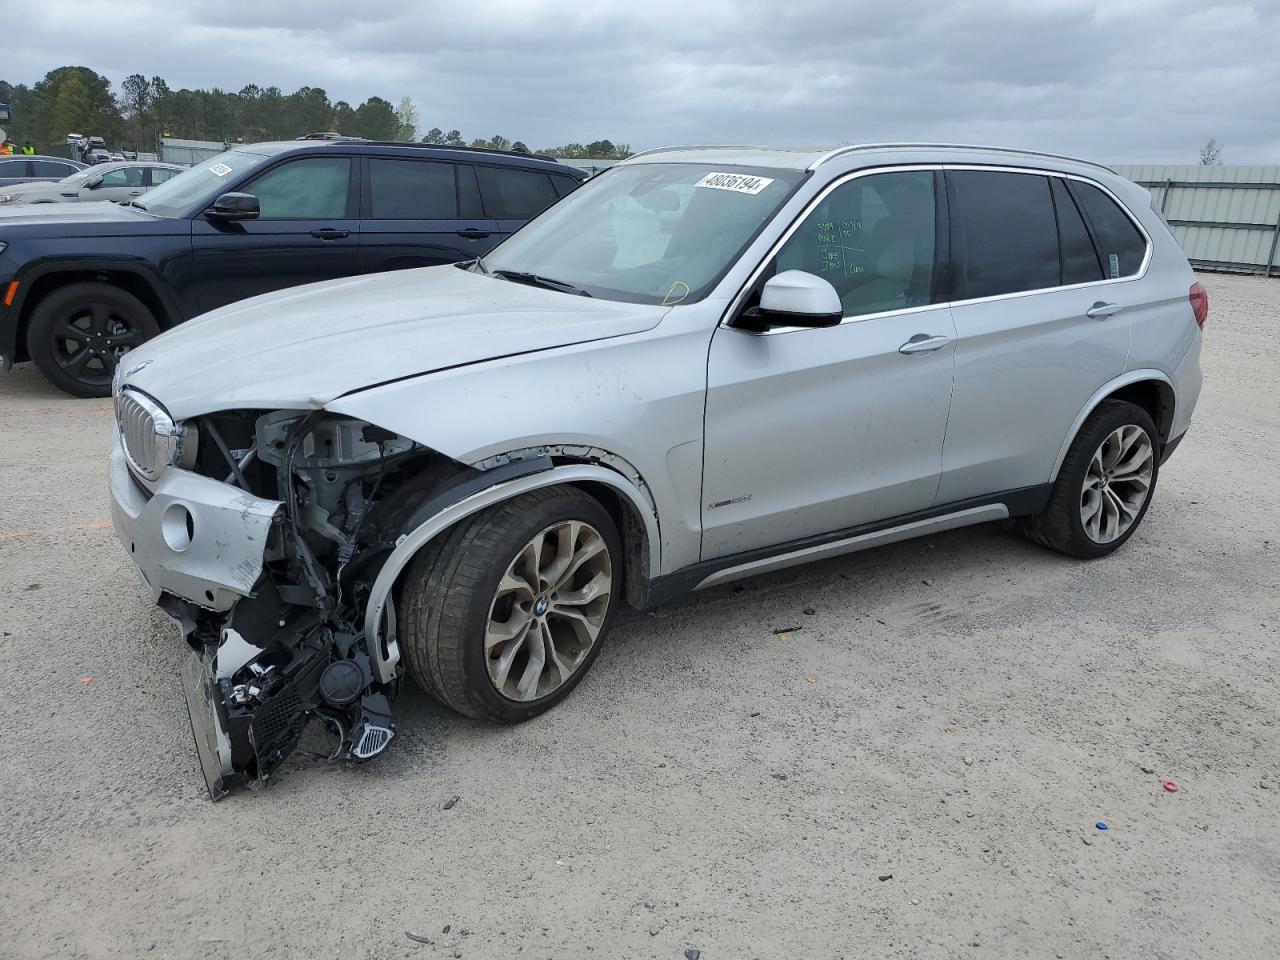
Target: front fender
[(379, 617)]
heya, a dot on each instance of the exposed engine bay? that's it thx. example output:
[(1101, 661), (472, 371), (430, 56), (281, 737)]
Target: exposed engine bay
[(294, 651)]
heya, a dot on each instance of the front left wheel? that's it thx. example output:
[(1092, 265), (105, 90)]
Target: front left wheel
[(502, 616)]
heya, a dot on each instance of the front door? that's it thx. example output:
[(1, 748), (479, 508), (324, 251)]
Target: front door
[(810, 431), (307, 231)]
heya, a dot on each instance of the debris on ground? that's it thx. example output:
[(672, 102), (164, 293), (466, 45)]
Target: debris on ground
[(885, 876), (1170, 786), (692, 954), (447, 928), (417, 938), (648, 904), (1147, 770), (86, 680), (812, 679), (968, 761), (778, 776), (1101, 826), (783, 631), (451, 803), (809, 611)]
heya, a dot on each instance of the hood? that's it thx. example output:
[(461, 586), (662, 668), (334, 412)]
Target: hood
[(305, 346), (97, 218), (26, 192)]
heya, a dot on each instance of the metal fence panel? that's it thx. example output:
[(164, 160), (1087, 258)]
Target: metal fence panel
[(189, 152), (1225, 217)]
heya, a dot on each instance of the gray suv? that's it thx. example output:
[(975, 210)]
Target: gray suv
[(703, 365)]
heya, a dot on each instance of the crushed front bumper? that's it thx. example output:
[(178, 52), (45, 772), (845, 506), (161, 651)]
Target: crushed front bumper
[(190, 536)]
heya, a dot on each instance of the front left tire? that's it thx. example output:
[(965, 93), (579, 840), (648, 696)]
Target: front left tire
[(78, 334), (503, 615)]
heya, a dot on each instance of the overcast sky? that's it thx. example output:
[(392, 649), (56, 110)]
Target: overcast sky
[(1122, 80)]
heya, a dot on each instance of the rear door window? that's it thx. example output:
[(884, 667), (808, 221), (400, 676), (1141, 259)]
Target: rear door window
[(1004, 233), (512, 194), (412, 190), (1079, 259), (52, 168), (14, 168), (1121, 245), (160, 174), (565, 185)]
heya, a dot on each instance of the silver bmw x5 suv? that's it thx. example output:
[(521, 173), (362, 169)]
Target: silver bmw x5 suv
[(705, 364)]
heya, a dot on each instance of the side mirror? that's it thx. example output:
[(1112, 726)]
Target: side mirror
[(93, 183), (234, 206), (794, 298)]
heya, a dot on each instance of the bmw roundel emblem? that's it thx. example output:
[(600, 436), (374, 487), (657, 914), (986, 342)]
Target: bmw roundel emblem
[(540, 606)]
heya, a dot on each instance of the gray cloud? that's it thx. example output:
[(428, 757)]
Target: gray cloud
[(1123, 80)]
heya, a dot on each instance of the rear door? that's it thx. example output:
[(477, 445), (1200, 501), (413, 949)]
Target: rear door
[(514, 195), (1040, 328), (308, 231), (419, 213)]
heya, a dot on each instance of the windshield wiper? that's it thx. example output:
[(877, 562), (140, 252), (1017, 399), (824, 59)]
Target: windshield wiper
[(534, 280), (135, 203)]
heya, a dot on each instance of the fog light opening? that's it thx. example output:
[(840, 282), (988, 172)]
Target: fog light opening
[(178, 527)]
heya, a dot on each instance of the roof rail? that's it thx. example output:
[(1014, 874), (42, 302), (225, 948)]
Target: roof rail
[(855, 147), (450, 146), (697, 146)]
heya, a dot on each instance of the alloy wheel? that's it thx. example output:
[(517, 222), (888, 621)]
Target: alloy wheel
[(548, 610), (90, 340), (1117, 483)]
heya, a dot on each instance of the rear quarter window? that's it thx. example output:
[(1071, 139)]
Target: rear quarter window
[(515, 194), (1121, 245)]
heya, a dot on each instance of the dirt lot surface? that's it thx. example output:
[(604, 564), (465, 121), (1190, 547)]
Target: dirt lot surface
[(914, 769)]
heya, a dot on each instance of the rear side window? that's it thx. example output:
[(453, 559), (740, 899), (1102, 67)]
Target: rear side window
[(1079, 259), (160, 174), (565, 185), (1121, 246), (52, 168), (13, 168), (412, 190), (515, 194), (1004, 233)]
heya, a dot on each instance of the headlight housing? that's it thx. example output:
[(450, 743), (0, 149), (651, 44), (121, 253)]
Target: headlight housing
[(153, 441)]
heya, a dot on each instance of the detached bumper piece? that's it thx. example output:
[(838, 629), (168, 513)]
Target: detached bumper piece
[(250, 704)]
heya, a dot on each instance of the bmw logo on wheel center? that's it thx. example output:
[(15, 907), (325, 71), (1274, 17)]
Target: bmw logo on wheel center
[(540, 606)]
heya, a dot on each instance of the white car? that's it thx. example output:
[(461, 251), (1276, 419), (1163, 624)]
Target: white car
[(702, 365)]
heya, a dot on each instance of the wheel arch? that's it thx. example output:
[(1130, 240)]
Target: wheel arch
[(625, 500), (43, 278), (1150, 389)]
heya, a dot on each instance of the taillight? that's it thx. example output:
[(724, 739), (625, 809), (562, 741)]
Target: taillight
[(1199, 298)]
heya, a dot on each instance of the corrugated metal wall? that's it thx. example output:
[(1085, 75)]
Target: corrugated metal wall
[(188, 152), (1225, 218)]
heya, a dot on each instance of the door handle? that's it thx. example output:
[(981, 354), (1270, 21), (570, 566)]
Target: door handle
[(1100, 310), (135, 193), (473, 233), (923, 343), (328, 233)]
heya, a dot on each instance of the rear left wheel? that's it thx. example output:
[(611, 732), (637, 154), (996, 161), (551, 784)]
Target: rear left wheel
[(1104, 486)]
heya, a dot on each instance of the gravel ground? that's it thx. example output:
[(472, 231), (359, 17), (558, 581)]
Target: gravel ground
[(914, 769)]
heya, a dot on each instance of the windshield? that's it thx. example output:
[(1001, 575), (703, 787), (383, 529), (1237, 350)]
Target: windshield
[(648, 233), (202, 183), (80, 176)]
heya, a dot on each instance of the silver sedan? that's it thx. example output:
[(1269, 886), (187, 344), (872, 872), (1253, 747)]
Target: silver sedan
[(106, 181)]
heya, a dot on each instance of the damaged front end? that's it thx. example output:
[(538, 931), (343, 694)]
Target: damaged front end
[(261, 533)]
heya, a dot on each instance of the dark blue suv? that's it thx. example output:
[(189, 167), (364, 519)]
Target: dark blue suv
[(80, 287)]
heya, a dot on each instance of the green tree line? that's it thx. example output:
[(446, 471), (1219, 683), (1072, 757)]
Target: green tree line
[(141, 110)]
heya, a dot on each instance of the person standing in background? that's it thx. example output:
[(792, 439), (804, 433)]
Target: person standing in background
[(28, 150)]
